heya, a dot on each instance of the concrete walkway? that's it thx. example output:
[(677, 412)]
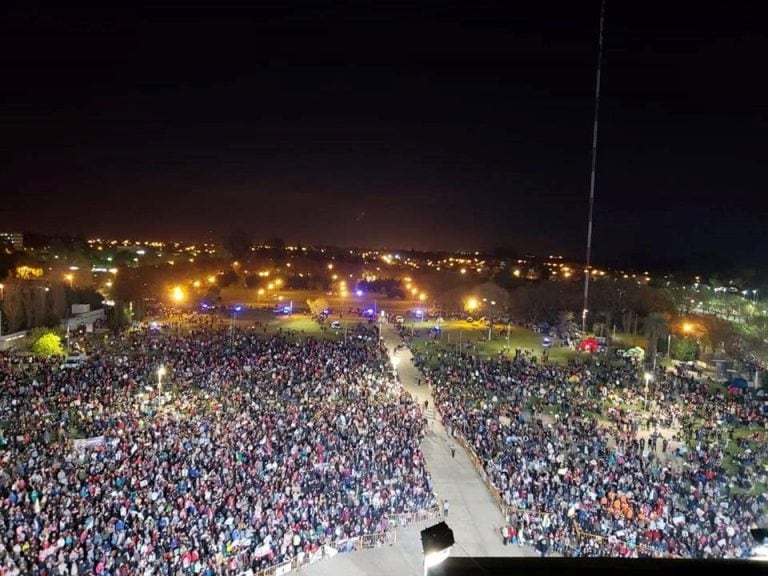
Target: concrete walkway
[(473, 514)]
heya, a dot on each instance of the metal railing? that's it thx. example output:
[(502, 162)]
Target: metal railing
[(364, 542)]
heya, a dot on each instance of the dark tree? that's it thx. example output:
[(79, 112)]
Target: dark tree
[(238, 244)]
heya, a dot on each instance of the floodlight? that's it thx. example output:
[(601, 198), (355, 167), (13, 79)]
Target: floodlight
[(436, 542)]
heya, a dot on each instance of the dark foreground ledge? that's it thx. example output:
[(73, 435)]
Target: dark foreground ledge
[(595, 567)]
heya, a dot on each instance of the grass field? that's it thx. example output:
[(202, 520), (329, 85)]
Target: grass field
[(460, 333)]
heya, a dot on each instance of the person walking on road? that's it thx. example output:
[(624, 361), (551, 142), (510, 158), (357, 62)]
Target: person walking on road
[(445, 508), (453, 451)]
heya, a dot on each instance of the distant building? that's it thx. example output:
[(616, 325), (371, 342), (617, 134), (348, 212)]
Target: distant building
[(15, 239)]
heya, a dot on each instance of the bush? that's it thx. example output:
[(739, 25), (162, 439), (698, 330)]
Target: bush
[(48, 345)]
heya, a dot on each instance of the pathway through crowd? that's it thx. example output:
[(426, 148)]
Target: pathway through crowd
[(473, 515)]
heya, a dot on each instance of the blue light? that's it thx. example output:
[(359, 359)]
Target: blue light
[(287, 309), (238, 308), (359, 292)]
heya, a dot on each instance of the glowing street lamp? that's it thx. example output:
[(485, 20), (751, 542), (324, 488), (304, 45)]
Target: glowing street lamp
[(472, 304), (687, 327), (422, 296), (648, 377), (235, 310), (160, 373), (177, 294), (211, 279), (259, 294), (69, 277)]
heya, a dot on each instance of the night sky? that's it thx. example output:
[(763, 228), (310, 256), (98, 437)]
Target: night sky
[(433, 125)]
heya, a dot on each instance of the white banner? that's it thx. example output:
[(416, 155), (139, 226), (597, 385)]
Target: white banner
[(84, 443)]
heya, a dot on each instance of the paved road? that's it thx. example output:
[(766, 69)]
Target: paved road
[(473, 514)]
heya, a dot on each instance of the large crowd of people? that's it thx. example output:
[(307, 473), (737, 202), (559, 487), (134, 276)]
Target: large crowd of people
[(252, 450), (590, 463), (255, 448)]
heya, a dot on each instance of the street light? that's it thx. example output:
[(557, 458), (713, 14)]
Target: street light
[(669, 345), (259, 294), (160, 373), (69, 277), (232, 326), (437, 542), (648, 377), (177, 294)]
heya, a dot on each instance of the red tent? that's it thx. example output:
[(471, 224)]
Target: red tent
[(589, 345)]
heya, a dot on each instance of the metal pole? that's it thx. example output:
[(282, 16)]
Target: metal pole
[(232, 331), (587, 272), (645, 397)]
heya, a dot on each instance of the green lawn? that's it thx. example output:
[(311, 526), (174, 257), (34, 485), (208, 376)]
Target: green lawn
[(302, 326), (460, 332)]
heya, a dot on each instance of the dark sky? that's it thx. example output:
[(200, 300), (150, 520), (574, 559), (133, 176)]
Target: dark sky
[(433, 125)]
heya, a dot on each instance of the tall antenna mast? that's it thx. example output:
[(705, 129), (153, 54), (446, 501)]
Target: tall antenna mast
[(588, 269)]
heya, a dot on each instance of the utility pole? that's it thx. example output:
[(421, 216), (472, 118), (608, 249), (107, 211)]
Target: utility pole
[(588, 269)]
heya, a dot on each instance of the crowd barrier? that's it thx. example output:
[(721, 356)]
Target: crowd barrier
[(408, 518), (617, 542), (364, 542)]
